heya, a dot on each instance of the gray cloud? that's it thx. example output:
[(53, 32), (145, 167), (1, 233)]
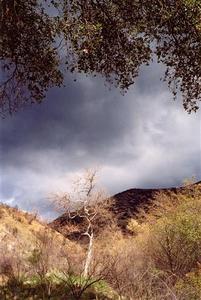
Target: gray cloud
[(141, 139)]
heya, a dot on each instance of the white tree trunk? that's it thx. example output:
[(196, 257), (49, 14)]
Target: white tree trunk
[(89, 255)]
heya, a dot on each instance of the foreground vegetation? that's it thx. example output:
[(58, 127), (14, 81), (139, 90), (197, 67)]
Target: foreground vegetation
[(160, 258)]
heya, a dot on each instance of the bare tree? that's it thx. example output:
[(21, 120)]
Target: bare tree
[(86, 202)]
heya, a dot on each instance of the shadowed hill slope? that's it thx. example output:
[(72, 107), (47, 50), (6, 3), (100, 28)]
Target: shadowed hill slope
[(124, 206)]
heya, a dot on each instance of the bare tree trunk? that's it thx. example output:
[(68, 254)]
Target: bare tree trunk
[(89, 255)]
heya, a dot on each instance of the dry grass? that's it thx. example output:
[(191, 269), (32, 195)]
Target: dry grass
[(160, 259)]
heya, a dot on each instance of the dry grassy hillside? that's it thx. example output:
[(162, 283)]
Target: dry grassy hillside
[(159, 259), (37, 262), (23, 229), (23, 236)]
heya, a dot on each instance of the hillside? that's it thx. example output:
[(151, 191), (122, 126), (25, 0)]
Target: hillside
[(124, 206), (128, 202), (21, 233), (38, 263), (22, 226)]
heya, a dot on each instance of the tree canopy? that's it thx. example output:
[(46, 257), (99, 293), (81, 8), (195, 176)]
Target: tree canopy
[(40, 40)]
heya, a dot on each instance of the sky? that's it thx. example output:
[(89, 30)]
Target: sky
[(142, 139)]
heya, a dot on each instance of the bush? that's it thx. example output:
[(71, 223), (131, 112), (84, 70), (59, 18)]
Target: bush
[(175, 239)]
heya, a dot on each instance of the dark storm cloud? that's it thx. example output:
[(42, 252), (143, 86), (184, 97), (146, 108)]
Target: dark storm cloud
[(140, 139)]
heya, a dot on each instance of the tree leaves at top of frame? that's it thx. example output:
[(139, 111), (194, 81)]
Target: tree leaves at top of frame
[(112, 38)]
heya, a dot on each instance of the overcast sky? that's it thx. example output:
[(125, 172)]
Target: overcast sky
[(142, 139)]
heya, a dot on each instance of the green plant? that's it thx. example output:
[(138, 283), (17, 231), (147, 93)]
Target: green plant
[(176, 236)]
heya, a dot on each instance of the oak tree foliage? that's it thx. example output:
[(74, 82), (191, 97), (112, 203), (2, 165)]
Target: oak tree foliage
[(41, 39)]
